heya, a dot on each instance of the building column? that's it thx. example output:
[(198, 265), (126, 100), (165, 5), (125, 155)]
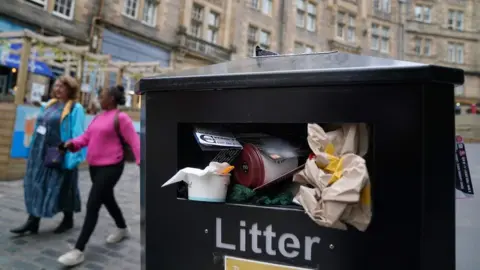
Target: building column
[(227, 18)]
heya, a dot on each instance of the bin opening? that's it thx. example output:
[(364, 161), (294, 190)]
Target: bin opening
[(266, 158)]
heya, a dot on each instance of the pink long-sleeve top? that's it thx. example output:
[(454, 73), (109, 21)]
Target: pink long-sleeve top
[(104, 145)]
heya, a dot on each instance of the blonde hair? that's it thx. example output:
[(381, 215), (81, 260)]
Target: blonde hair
[(72, 85)]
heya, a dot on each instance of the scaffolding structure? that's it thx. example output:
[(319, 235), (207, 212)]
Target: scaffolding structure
[(78, 59)]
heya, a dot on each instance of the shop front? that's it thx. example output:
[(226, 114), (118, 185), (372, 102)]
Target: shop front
[(39, 72), (123, 48), (20, 58), (7, 74)]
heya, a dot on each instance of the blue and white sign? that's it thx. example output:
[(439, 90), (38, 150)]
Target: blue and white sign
[(13, 61)]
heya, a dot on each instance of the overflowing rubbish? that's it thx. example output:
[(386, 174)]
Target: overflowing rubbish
[(326, 175)]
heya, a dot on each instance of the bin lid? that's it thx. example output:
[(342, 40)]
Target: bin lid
[(300, 70)]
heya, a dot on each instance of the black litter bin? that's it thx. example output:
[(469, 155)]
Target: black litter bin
[(409, 109)]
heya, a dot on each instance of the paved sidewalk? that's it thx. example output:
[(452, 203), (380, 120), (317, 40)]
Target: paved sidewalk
[(40, 252)]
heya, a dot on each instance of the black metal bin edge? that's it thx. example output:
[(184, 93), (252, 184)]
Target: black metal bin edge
[(423, 74)]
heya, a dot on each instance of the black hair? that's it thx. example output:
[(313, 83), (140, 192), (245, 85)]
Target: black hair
[(118, 94)]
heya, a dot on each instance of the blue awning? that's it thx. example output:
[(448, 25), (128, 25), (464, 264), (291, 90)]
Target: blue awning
[(13, 61)]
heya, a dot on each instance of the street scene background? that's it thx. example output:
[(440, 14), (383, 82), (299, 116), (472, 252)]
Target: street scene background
[(103, 43)]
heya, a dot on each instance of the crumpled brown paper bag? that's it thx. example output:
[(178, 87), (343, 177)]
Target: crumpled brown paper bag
[(339, 177)]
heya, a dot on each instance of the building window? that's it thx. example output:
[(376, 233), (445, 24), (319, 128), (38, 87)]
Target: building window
[(197, 13), (380, 39), (264, 39), (130, 8), (427, 47), (252, 39), (267, 7), (264, 6), (311, 17), (301, 13), (346, 26), (423, 14), (422, 46), (418, 46), (196, 25), (196, 29), (455, 53), (302, 48), (351, 29), (213, 27), (375, 40), (252, 33), (150, 12), (382, 5), (306, 15), (64, 8), (455, 20), (385, 40), (38, 3), (340, 24), (254, 36)]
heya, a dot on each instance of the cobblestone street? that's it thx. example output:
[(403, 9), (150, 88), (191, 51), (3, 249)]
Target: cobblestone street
[(40, 252)]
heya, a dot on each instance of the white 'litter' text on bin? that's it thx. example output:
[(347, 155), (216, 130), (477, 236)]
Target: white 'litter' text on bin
[(287, 244)]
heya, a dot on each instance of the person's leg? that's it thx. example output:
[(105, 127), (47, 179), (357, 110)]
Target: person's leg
[(102, 177), (66, 224), (109, 198), (31, 225), (113, 207), (66, 201), (94, 203)]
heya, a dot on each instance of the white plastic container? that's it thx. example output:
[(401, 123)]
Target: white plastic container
[(204, 185), (209, 188)]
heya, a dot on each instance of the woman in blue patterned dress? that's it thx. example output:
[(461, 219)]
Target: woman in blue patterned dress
[(49, 191)]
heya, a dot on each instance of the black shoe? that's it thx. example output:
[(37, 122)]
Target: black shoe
[(65, 225), (30, 226)]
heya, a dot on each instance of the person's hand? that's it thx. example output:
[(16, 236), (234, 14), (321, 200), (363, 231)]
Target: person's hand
[(68, 145), (61, 147)]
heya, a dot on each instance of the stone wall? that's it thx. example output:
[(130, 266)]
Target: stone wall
[(468, 126), (9, 168), (76, 29)]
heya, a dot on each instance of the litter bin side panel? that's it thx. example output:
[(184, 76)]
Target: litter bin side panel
[(438, 246), (176, 228)]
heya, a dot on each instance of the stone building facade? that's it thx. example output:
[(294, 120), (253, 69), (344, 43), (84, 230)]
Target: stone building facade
[(191, 33)]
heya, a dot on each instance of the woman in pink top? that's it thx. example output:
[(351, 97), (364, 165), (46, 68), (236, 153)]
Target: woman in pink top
[(106, 162)]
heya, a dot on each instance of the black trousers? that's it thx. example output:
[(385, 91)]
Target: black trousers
[(104, 179)]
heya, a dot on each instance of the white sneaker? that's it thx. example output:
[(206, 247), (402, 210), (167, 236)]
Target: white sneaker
[(118, 236), (72, 258)]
